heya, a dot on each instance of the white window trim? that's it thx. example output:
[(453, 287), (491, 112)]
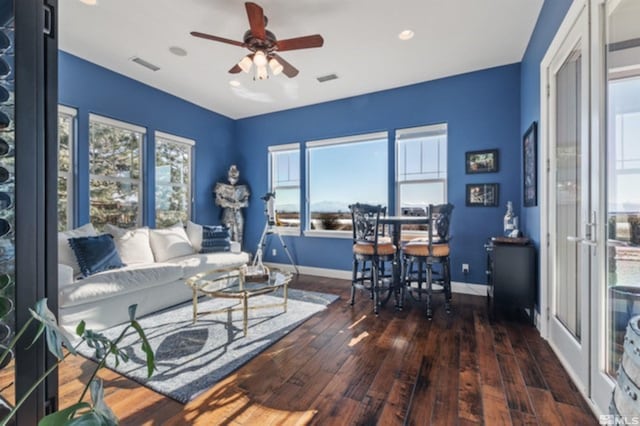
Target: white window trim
[(363, 137), (93, 118), (72, 113), (411, 133), (182, 141), (284, 230), (117, 123)]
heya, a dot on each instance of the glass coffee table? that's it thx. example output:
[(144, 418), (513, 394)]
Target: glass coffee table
[(237, 283)]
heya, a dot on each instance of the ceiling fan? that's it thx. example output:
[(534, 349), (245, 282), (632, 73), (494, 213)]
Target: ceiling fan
[(263, 45)]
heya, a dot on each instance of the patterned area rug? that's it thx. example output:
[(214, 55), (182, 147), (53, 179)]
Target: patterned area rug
[(190, 358)]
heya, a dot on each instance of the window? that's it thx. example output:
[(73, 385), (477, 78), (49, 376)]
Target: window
[(173, 179), (115, 167), (284, 178), (66, 136), (421, 166), (344, 171)]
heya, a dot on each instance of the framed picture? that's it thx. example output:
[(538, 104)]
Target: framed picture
[(482, 194), (530, 166), (482, 161)]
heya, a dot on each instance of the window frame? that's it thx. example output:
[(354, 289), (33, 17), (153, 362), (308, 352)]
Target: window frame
[(408, 133), (122, 125), (345, 140), (273, 149), (72, 114), (174, 139)]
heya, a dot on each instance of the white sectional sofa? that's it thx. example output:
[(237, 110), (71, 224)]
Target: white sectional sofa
[(153, 283)]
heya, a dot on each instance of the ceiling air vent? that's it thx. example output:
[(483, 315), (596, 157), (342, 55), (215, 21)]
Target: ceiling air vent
[(327, 77), (145, 64)]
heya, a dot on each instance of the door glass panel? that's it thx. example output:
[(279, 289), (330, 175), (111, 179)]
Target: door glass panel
[(7, 197), (568, 193), (623, 173)]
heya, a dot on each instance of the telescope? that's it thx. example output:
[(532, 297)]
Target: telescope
[(270, 207)]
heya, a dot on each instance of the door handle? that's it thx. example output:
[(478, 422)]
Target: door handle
[(574, 239), (582, 241)]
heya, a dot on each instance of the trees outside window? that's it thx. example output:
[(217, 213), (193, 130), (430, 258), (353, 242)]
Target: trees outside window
[(173, 179), (66, 138), (115, 167)]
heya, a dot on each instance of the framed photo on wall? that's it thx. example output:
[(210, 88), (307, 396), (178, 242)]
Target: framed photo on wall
[(481, 161), (482, 194), (530, 165)]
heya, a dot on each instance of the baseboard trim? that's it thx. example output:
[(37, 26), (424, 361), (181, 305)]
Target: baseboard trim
[(456, 286)]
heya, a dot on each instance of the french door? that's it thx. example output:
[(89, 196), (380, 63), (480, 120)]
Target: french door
[(590, 127), (570, 213)]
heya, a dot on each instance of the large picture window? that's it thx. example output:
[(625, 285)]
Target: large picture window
[(284, 178), (115, 167), (66, 138), (344, 171), (421, 167), (173, 179)]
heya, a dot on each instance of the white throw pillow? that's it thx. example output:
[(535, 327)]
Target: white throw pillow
[(194, 232), (132, 244), (66, 256), (169, 242)]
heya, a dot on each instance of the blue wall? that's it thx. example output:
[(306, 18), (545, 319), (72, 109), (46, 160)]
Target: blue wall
[(482, 110), (92, 89), (550, 18)]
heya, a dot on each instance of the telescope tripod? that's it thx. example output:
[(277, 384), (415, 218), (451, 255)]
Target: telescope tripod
[(270, 230)]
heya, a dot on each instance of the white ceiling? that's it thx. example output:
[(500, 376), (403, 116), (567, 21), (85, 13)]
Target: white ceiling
[(360, 45)]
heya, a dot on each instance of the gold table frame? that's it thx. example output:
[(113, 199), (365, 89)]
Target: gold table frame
[(230, 283)]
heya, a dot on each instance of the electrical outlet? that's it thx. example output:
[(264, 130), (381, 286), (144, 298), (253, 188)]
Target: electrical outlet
[(465, 268), (274, 252)]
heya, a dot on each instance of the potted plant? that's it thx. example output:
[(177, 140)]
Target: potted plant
[(95, 412)]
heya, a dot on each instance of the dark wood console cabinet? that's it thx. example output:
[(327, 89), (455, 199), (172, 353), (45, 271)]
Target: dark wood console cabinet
[(511, 277)]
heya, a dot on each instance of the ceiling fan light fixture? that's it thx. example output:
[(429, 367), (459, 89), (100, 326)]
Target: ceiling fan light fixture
[(260, 59), (276, 67), (245, 64), (89, 2), (261, 73)]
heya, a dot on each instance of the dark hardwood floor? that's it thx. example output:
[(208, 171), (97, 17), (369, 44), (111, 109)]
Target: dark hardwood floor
[(344, 366)]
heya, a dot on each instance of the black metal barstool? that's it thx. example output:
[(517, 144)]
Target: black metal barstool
[(371, 249), (427, 252)]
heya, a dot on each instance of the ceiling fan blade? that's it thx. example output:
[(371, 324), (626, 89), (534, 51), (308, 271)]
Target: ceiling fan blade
[(305, 42), (256, 20), (216, 38), (287, 69), (235, 69)]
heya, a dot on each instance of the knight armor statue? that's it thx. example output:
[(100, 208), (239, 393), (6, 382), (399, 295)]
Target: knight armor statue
[(232, 197)]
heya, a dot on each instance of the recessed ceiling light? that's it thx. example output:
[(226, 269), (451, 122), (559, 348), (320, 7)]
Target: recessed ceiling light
[(406, 35), (234, 83), (178, 51), (90, 2)]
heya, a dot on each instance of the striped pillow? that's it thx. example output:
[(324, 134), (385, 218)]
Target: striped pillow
[(215, 239)]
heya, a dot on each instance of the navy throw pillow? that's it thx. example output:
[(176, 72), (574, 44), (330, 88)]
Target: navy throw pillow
[(95, 254), (215, 239)]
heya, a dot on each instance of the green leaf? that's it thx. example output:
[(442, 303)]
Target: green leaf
[(56, 336), (89, 419), (99, 406), (132, 312), (146, 347), (80, 328), (62, 417)]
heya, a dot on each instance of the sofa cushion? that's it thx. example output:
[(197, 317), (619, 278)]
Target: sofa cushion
[(194, 232), (95, 254), (215, 239), (132, 244), (196, 263), (65, 253), (169, 242), (119, 281)]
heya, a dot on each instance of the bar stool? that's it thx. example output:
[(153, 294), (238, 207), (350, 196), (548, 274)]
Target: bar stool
[(371, 250), (427, 252)]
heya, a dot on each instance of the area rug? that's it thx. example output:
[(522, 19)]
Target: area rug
[(190, 358)]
